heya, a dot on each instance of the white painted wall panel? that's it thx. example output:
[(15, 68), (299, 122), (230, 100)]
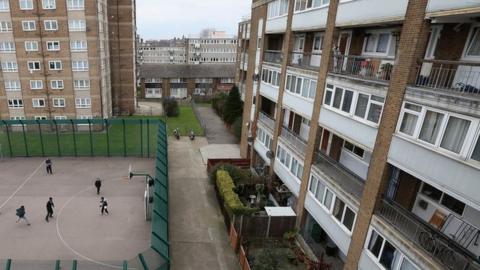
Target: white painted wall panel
[(442, 5), (276, 25), (269, 92), (298, 104)]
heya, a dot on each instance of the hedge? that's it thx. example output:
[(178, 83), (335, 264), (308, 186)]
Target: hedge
[(232, 202)]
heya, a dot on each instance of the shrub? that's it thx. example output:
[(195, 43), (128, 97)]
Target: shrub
[(233, 106), (218, 103), (237, 128), (170, 106), (238, 175), (266, 260), (232, 202)]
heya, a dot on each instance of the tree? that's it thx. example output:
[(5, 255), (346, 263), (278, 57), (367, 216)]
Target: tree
[(170, 106), (233, 106)]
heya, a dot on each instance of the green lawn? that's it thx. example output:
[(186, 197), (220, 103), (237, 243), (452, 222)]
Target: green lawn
[(136, 139)]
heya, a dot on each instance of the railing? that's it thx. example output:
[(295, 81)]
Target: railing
[(460, 77), (350, 182), (371, 68), (296, 143), (275, 57), (444, 250), (266, 120), (305, 60)]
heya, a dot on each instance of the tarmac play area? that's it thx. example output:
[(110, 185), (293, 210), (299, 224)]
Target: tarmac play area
[(77, 231)]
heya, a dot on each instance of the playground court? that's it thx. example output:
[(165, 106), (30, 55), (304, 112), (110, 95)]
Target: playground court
[(77, 230)]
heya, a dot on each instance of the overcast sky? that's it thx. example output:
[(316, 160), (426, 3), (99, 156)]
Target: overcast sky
[(161, 19)]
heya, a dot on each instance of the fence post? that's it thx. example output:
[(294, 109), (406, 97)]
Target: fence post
[(8, 138), (124, 139), (58, 139), (148, 137), (141, 137), (91, 139), (41, 138), (25, 140), (108, 137), (74, 138)]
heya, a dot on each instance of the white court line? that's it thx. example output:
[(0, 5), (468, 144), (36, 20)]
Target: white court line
[(21, 186), (68, 246)]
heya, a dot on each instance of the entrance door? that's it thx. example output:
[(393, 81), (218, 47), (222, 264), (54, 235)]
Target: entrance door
[(343, 48), (298, 46), (317, 47)]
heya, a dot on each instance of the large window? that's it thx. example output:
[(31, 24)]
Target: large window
[(9, 66), (77, 25), (304, 87), (271, 77), (376, 43), (78, 45), (473, 46), (5, 26), (440, 129), (49, 4), (81, 84), (28, 25), (51, 25), (82, 103), (355, 104), (7, 46), (277, 8), (76, 4), (80, 65), (15, 103), (334, 206), (309, 4), (382, 250), (443, 199), (4, 6), (12, 85), (31, 46), (25, 4), (289, 161), (265, 138)]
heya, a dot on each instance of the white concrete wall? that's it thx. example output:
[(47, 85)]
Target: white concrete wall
[(354, 164), (442, 5), (298, 104), (458, 179), (370, 11), (269, 92), (276, 25)]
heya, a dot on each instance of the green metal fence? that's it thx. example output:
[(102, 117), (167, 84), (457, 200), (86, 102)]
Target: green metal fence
[(95, 137)]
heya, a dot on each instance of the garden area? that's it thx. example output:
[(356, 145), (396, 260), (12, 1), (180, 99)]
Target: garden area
[(229, 107), (264, 241)]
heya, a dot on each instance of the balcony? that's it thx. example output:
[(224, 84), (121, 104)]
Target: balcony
[(267, 121), (304, 60), (443, 249), (348, 182), (369, 68), (275, 57), (296, 143), (450, 76)]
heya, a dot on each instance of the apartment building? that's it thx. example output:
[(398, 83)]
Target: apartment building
[(185, 80), (162, 51), (365, 116), (60, 57), (212, 50)]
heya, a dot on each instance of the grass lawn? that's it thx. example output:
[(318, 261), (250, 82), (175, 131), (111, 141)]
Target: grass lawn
[(185, 122)]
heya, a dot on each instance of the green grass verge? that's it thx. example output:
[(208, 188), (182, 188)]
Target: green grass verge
[(185, 122)]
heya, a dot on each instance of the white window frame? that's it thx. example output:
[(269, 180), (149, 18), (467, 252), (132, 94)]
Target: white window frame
[(377, 33), (37, 103), (29, 63), (36, 84), (7, 47), (57, 84), (77, 25), (15, 103), (9, 66), (40, 117), (290, 160), (298, 9), (77, 67), (83, 103), (60, 117), (81, 86), (75, 4), (12, 85), (57, 65), (50, 25), (75, 48), (25, 4), (49, 4), (27, 26), (6, 27), (474, 32), (4, 5), (31, 46), (58, 102), (53, 45)]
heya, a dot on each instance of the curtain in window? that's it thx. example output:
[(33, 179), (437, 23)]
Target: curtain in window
[(431, 127), (409, 123), (455, 134)]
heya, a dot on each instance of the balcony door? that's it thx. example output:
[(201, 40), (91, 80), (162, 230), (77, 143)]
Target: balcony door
[(298, 47), (317, 47), (343, 48)]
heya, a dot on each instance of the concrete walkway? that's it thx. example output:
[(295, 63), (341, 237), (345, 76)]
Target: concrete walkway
[(216, 131), (198, 237)]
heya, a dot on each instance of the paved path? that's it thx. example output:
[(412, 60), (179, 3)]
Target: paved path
[(216, 131), (198, 236)]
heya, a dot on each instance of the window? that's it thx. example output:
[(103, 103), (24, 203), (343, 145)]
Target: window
[(431, 126), (15, 103), (4, 6), (376, 43), (277, 8), (81, 84), (350, 147), (473, 47), (9, 66), (38, 102), (28, 25), (476, 151), (31, 46), (7, 46), (51, 25), (82, 103), (5, 26), (271, 77), (56, 84), (410, 118), (301, 5), (382, 250), (444, 199), (26, 4), (84, 117), (58, 102), (75, 4), (343, 214), (12, 85), (36, 84), (17, 117), (76, 25), (40, 117), (455, 134), (33, 65), (60, 117), (301, 86), (78, 45), (53, 45), (55, 65), (375, 110), (48, 4), (81, 65)]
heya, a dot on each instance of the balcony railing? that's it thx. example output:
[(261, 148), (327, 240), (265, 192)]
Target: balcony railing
[(266, 120), (305, 60), (454, 76), (350, 182), (371, 68), (271, 56), (296, 142), (443, 249)]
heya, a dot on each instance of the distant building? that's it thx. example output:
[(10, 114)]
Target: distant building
[(171, 51)]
